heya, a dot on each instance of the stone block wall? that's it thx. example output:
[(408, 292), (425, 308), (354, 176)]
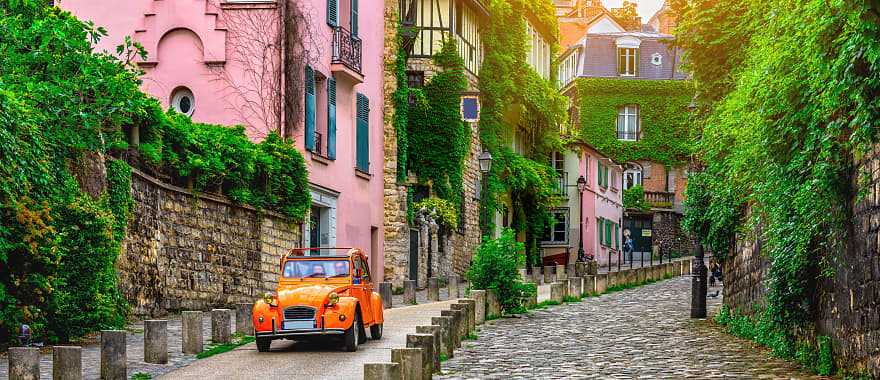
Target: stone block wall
[(668, 234), (188, 252)]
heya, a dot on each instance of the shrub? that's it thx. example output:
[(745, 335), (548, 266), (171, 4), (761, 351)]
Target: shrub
[(634, 198), (495, 267)]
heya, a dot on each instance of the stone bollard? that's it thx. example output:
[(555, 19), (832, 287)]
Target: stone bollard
[(435, 331), (244, 321), (113, 355), (590, 285), (601, 283), (381, 371), (479, 306), (221, 326), (409, 292), (455, 328), (191, 332), (658, 272), (464, 323), (433, 289), (67, 363), (156, 341), (549, 278), (565, 286), (426, 343), (410, 361), (493, 304), (447, 342), (571, 271), (523, 273), (454, 290), (537, 277), (560, 272), (532, 301), (576, 287), (557, 291), (468, 309), (472, 313), (386, 294), (24, 363)]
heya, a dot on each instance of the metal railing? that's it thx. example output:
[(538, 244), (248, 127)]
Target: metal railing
[(319, 143), (346, 48), (629, 135), (560, 188), (660, 199)]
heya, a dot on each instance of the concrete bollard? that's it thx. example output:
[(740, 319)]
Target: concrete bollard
[(426, 343), (589, 284), (156, 341), (244, 321), (113, 355), (454, 290), (221, 326), (191, 332), (447, 342), (472, 313), (549, 278), (557, 292), (493, 304), (658, 272), (576, 286), (532, 301), (24, 363), (410, 361), (381, 371), (480, 306), (560, 272), (537, 277), (601, 283), (433, 289), (67, 363), (571, 270), (435, 331), (409, 292), (386, 294), (455, 327), (565, 286), (464, 323)]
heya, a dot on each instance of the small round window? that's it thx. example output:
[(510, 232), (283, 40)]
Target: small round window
[(183, 101), (657, 59)]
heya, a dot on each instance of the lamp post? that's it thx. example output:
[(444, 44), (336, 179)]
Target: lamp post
[(485, 160), (582, 185), (698, 283)]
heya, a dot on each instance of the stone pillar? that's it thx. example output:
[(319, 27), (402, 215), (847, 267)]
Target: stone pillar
[(434, 289), (410, 361), (593, 267), (571, 271), (590, 285), (67, 363), (601, 283), (447, 342), (156, 341), (244, 322), (464, 323), (493, 305), (221, 326), (472, 313), (560, 272), (576, 286), (386, 294), (455, 328), (537, 277), (532, 301), (565, 286), (409, 292), (24, 363), (480, 306), (435, 331), (557, 291), (191, 332), (548, 275), (523, 273), (381, 371), (113, 355), (454, 291), (426, 343)]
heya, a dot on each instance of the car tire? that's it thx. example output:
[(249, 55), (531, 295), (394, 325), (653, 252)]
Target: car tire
[(263, 344), (352, 335), (376, 331)]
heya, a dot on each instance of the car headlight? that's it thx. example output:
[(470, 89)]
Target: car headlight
[(270, 298), (332, 299)]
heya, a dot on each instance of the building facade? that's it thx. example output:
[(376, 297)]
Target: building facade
[(310, 70)]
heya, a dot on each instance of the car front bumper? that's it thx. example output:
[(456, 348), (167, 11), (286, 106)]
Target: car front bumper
[(275, 333)]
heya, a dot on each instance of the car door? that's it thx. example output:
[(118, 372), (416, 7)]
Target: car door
[(365, 289)]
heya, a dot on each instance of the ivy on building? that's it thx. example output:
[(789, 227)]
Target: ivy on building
[(401, 109), (634, 199)]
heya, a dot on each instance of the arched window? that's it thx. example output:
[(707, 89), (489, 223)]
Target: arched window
[(632, 176)]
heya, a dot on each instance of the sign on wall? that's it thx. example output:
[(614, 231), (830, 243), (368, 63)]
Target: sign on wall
[(470, 108)]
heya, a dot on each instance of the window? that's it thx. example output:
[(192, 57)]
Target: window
[(353, 17), (183, 101), (362, 152), (656, 59), (627, 61), (415, 79), (557, 232), (310, 103), (333, 13), (628, 122), (557, 161), (599, 179), (632, 176), (614, 179)]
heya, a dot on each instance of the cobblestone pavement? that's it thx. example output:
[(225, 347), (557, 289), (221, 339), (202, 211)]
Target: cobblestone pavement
[(644, 332)]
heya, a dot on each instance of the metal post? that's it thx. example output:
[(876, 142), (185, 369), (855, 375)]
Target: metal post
[(485, 213), (618, 260), (698, 284), (581, 253), (642, 256)]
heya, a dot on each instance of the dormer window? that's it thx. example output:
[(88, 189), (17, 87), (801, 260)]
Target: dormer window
[(628, 56)]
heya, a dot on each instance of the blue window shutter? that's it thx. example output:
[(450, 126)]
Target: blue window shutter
[(333, 12), (310, 109), (331, 118), (362, 153), (354, 18)]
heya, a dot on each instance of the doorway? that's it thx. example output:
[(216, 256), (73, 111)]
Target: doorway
[(414, 255), (640, 228)]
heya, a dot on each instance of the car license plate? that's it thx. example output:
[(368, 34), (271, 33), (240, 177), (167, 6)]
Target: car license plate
[(299, 324)]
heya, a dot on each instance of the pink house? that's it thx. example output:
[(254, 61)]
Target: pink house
[(309, 69)]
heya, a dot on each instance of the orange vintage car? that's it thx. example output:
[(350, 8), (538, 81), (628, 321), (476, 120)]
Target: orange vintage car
[(322, 296)]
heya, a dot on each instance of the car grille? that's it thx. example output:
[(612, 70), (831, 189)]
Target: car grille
[(299, 312)]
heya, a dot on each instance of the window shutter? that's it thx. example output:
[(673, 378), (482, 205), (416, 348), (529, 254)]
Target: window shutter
[(310, 109), (599, 230), (363, 129), (333, 12), (599, 173), (616, 236), (331, 118), (354, 18)]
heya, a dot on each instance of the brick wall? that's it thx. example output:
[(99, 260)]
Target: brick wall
[(186, 252)]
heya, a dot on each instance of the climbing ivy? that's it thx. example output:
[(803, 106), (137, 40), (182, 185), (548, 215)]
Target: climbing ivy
[(634, 199), (442, 211), (401, 109)]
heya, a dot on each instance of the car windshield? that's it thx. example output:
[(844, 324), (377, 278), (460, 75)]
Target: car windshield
[(316, 268)]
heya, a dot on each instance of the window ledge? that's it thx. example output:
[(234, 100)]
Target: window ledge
[(362, 174), (553, 244), (320, 159)]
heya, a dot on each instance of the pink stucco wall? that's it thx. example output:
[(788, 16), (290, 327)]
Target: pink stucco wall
[(599, 202), (213, 48)]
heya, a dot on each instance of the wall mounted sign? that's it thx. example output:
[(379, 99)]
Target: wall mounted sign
[(470, 108)]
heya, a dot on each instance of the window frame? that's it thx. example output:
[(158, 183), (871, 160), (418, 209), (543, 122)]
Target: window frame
[(627, 61), (625, 112), (566, 225)]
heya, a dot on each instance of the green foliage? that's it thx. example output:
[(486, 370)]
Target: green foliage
[(663, 108), (237, 340), (401, 110), (634, 199), (571, 299), (546, 303), (438, 139), (444, 211), (141, 376), (495, 266)]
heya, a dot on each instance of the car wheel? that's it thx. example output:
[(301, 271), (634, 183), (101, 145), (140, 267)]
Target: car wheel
[(376, 331), (263, 344), (351, 336)]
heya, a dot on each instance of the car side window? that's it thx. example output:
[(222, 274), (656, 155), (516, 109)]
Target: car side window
[(366, 269)]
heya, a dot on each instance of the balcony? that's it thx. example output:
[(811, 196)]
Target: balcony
[(660, 199), (346, 58), (560, 187), (629, 135)]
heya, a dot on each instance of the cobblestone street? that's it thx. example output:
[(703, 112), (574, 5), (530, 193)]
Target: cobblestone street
[(644, 332)]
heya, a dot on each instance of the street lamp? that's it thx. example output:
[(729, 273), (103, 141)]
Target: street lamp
[(582, 185), (698, 283), (485, 160)]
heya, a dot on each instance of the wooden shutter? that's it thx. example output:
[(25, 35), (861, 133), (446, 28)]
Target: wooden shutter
[(362, 145), (599, 173), (616, 236), (310, 109), (354, 18), (333, 12), (599, 230), (331, 118)]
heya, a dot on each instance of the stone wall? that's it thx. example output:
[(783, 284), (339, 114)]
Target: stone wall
[(668, 234), (187, 252)]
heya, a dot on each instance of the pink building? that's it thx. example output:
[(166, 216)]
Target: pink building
[(305, 68)]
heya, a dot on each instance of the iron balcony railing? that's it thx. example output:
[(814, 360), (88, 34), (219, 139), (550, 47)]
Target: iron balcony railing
[(319, 144), (660, 199), (629, 135), (346, 49), (561, 185)]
